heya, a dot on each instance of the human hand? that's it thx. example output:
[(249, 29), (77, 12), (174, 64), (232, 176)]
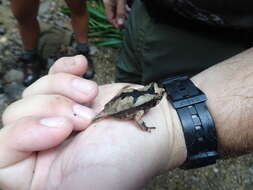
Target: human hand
[(36, 141), (116, 12), (34, 126)]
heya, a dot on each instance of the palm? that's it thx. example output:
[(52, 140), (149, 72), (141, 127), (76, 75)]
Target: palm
[(96, 153), (78, 150), (85, 150)]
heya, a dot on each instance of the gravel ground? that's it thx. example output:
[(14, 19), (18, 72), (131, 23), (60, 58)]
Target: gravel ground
[(230, 174)]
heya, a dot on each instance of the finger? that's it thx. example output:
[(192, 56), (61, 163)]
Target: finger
[(76, 65), (121, 13), (110, 11), (128, 9), (29, 134), (73, 87), (49, 106)]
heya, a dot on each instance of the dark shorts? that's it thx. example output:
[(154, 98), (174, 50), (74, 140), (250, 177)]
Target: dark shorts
[(152, 51)]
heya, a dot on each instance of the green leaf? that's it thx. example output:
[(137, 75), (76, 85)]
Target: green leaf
[(101, 31), (109, 42)]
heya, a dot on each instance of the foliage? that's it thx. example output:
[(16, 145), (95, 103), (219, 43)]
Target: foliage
[(101, 32)]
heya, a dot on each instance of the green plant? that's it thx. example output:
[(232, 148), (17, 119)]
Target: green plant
[(101, 32)]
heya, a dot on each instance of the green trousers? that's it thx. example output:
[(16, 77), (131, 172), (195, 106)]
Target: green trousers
[(152, 50)]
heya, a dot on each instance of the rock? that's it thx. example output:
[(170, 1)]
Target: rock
[(51, 40), (195, 178), (4, 101), (2, 30), (50, 62), (1, 89), (44, 7), (7, 64), (13, 90), (2, 65), (14, 76), (215, 170), (251, 170), (3, 39), (248, 180), (93, 50)]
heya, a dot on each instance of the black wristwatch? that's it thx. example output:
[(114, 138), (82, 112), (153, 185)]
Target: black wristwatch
[(197, 123)]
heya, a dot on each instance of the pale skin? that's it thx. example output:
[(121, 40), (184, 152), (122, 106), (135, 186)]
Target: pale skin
[(114, 151)]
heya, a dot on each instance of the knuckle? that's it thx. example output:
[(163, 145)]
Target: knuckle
[(53, 82), (60, 61), (7, 114), (57, 102), (49, 80), (56, 99), (56, 76)]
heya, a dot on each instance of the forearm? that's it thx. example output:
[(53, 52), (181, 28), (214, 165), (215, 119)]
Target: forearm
[(132, 156), (229, 88)]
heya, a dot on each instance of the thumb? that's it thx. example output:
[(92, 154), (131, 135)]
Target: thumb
[(29, 134)]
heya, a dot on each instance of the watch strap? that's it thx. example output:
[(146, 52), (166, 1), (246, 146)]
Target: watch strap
[(197, 123)]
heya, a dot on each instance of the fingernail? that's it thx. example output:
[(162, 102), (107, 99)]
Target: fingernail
[(84, 112), (120, 21), (53, 121), (83, 86), (79, 59)]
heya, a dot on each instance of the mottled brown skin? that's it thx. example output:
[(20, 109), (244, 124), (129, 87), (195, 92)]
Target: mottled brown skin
[(132, 104)]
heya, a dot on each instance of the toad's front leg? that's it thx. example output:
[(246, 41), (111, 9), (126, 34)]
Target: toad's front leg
[(141, 124)]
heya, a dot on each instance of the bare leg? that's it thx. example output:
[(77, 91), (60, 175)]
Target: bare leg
[(79, 20), (141, 123), (25, 11)]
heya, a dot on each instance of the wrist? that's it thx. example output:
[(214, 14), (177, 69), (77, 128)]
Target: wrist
[(177, 152)]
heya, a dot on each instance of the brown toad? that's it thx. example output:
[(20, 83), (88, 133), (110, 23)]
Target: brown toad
[(131, 103)]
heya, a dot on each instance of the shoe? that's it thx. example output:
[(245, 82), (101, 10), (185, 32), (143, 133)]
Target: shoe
[(90, 73), (83, 49), (32, 67)]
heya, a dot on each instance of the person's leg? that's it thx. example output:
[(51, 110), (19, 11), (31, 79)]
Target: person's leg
[(181, 47), (128, 63), (79, 21), (25, 12), (153, 50)]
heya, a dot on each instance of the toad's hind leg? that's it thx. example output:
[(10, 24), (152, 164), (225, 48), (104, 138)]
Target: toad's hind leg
[(141, 124)]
